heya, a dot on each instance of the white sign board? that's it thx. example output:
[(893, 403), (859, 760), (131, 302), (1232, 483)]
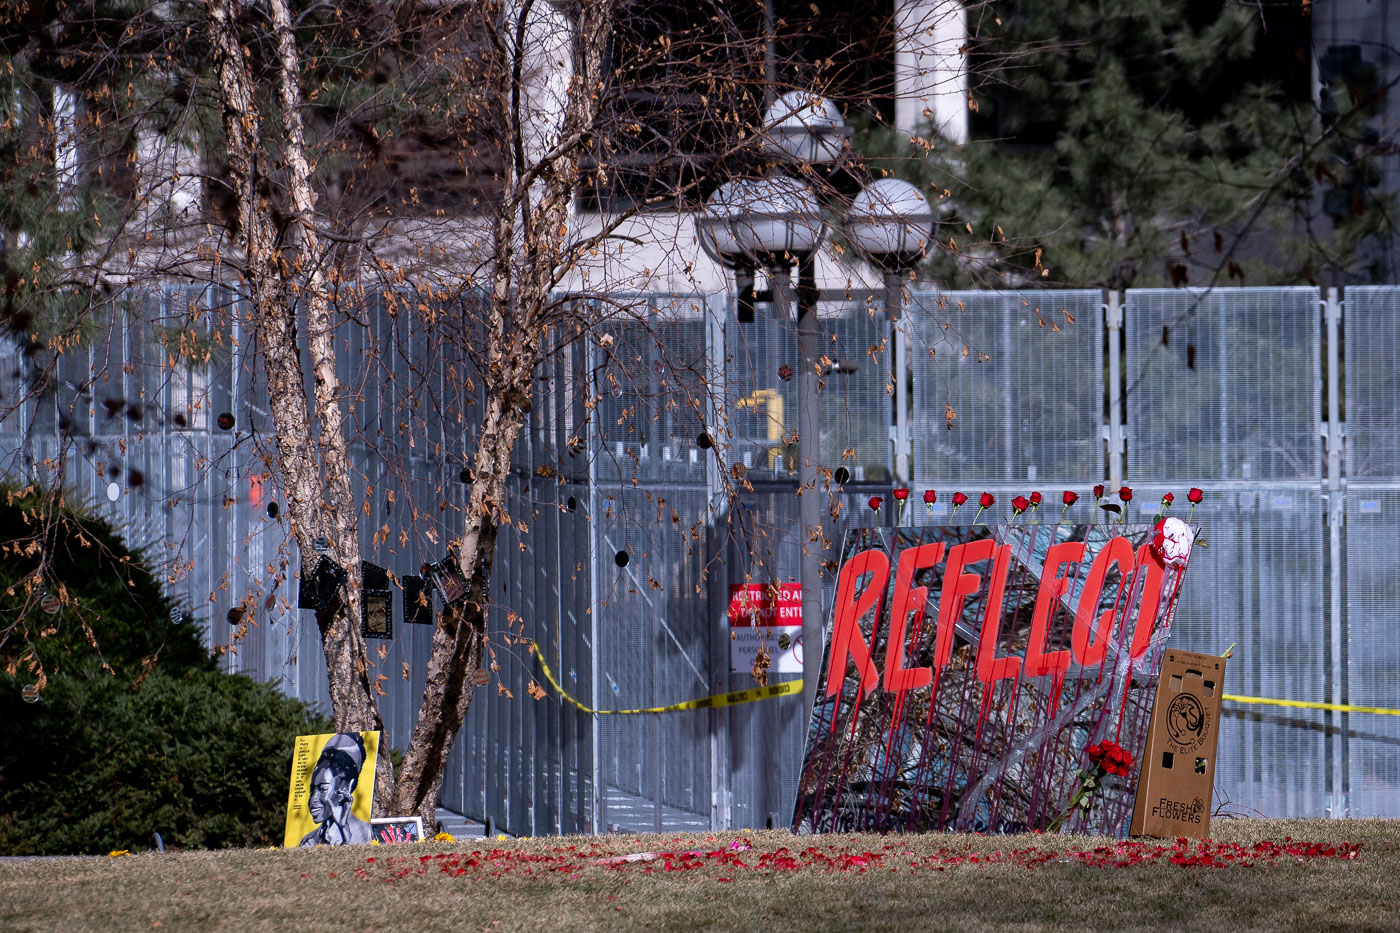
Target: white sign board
[(765, 616)]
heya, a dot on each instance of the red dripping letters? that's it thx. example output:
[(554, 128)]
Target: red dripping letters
[(1089, 637)]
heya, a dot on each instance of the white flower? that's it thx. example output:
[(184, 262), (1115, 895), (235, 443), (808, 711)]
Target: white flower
[(1175, 544)]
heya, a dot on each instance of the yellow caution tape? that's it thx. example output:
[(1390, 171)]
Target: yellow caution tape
[(787, 688), (791, 687), (1303, 704)]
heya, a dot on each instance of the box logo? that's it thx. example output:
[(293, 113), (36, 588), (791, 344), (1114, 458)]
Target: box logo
[(1186, 721)]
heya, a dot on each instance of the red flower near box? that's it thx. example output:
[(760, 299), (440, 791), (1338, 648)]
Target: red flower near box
[(900, 494), (1020, 504), (1111, 757), (1125, 493), (1106, 759), (1036, 499), (1098, 490), (874, 503)]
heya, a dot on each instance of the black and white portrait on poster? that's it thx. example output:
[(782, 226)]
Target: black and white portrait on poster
[(332, 789)]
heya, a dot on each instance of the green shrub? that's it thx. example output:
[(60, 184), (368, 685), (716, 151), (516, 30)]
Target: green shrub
[(97, 765), (109, 594), (135, 731)]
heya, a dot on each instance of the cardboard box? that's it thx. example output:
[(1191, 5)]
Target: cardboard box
[(1178, 771)]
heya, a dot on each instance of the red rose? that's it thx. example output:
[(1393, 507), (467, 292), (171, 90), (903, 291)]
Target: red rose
[(1020, 504), (1168, 499), (987, 501), (1095, 752), (1098, 491), (959, 498), (1195, 495), (1070, 498), (875, 503), (930, 497), (1036, 498), (1125, 493), (901, 494)]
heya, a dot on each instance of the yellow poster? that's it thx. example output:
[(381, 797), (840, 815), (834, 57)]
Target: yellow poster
[(332, 789)]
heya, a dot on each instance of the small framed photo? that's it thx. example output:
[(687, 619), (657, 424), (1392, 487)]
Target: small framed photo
[(397, 830)]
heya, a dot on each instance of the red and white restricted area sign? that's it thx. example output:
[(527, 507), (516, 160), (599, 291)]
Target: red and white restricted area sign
[(762, 615)]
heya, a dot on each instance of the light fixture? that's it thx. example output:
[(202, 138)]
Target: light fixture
[(890, 224), (779, 221), (805, 127)]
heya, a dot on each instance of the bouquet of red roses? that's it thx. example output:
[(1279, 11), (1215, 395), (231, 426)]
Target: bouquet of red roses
[(1105, 759)]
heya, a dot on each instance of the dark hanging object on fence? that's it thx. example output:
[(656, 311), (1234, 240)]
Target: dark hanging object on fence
[(841, 476), (376, 602), (447, 579), (417, 600), (622, 558), (226, 421), (323, 589)]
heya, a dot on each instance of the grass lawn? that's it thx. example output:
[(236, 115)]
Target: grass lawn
[(781, 882)]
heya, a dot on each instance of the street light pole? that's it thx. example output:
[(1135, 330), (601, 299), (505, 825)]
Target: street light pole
[(894, 306), (813, 537)]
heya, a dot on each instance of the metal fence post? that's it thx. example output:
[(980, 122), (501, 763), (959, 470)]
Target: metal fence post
[(716, 590), (1335, 515), (594, 606), (894, 302), (1113, 318)]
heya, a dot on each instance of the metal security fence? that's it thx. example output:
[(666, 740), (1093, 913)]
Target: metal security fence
[(1224, 385), (1224, 391), (1007, 386), (668, 456)]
